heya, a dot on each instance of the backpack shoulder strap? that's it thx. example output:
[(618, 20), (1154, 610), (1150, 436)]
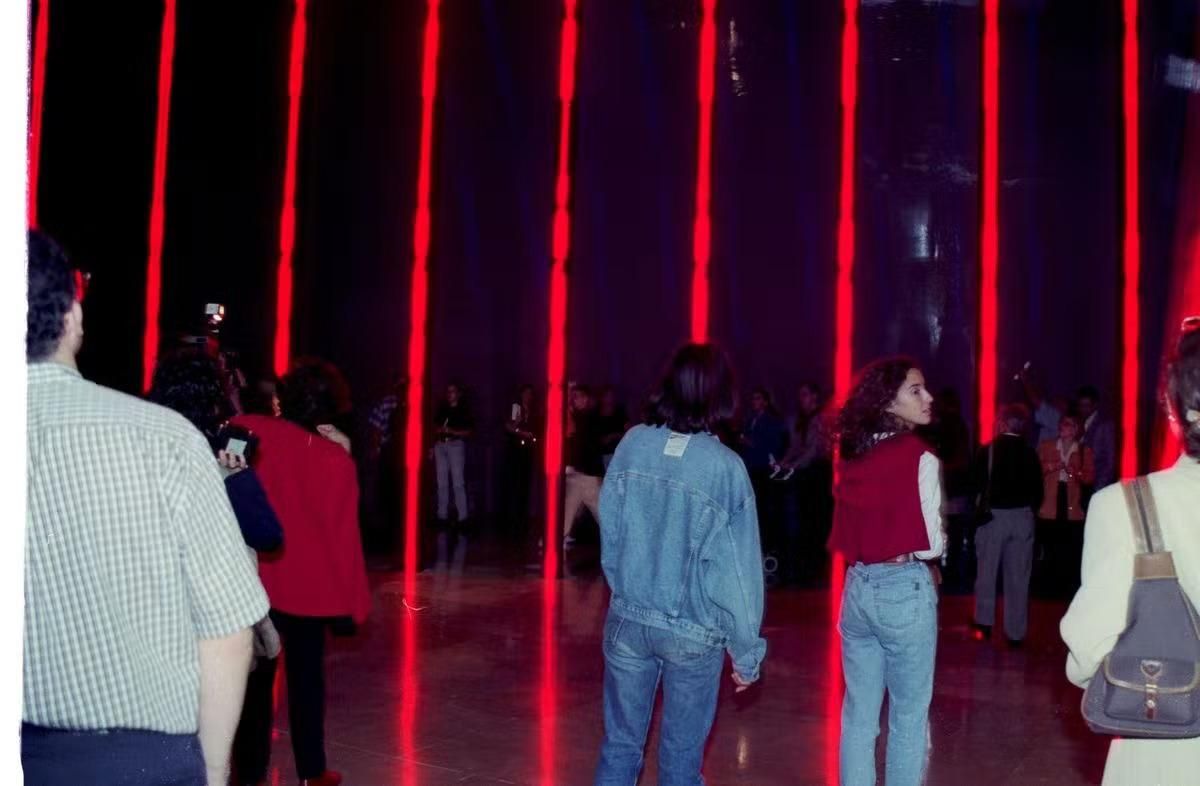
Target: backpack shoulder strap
[(1147, 535), (1152, 560)]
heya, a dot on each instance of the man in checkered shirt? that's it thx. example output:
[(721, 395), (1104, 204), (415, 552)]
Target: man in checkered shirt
[(139, 594)]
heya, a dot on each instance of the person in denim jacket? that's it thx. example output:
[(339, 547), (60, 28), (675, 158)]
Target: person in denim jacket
[(680, 550)]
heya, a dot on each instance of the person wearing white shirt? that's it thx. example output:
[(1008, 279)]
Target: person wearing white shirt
[(1097, 615)]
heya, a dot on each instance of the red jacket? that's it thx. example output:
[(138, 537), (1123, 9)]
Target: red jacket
[(877, 513), (312, 486)]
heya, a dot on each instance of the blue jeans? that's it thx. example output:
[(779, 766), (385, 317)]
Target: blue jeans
[(636, 656), (889, 640)]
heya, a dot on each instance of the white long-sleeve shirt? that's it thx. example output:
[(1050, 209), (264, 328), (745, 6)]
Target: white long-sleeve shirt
[(929, 481)]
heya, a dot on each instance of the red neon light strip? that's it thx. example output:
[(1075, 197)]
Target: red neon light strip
[(420, 303), (989, 251), (560, 248), (844, 328), (555, 374), (1132, 250), (40, 37), (702, 231), (287, 217), (843, 356), (166, 60)]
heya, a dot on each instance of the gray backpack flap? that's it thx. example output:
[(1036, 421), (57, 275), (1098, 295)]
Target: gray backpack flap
[(1149, 685)]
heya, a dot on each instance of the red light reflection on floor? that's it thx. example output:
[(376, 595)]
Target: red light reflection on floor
[(409, 700), (548, 689)]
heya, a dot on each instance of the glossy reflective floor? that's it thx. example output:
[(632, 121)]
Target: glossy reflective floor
[(479, 699)]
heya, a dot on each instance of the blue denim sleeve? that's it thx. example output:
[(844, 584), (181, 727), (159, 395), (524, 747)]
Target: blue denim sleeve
[(733, 581), (610, 505)]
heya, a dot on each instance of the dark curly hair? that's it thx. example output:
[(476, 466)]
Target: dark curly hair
[(696, 392), (189, 381), (51, 294), (313, 393), (1183, 387), (865, 415)]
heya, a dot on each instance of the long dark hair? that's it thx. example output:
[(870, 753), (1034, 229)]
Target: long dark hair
[(1183, 385), (314, 393), (864, 415), (696, 392)]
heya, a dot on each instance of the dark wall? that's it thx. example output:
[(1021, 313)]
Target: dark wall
[(775, 181)]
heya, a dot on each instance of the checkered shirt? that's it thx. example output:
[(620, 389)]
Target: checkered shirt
[(132, 555)]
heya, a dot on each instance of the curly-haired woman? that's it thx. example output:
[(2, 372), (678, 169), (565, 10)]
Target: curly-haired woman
[(887, 522)]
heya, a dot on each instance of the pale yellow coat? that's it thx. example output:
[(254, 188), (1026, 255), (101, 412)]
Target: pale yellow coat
[(1097, 614)]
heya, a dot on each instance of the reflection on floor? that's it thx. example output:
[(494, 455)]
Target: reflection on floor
[(502, 684)]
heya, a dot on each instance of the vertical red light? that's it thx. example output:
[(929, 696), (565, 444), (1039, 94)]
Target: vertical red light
[(287, 217), (41, 34), (843, 356), (556, 355), (560, 248), (419, 304), (166, 59), (702, 230), (555, 377), (844, 327), (1132, 249), (989, 239)]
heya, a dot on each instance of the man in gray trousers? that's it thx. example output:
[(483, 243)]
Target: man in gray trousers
[(1008, 476)]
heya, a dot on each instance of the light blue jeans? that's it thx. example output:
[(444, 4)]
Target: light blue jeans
[(450, 461), (889, 640), (636, 656)]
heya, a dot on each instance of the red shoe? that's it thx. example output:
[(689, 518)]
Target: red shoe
[(327, 778)]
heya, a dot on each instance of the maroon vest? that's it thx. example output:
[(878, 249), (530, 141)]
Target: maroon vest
[(878, 503)]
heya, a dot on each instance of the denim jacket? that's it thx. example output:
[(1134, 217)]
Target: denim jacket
[(679, 536)]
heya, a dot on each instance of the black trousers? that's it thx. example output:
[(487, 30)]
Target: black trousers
[(54, 757), (515, 491), (769, 498), (303, 640)]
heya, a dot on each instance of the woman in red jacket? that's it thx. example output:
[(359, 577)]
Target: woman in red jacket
[(317, 579), (887, 522)]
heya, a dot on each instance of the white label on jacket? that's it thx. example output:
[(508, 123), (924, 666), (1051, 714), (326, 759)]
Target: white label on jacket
[(676, 444)]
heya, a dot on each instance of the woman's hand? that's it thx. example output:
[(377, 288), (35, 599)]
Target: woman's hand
[(335, 435), (741, 683), (231, 461)]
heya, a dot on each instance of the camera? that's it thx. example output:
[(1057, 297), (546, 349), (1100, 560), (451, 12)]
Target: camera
[(237, 441)]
